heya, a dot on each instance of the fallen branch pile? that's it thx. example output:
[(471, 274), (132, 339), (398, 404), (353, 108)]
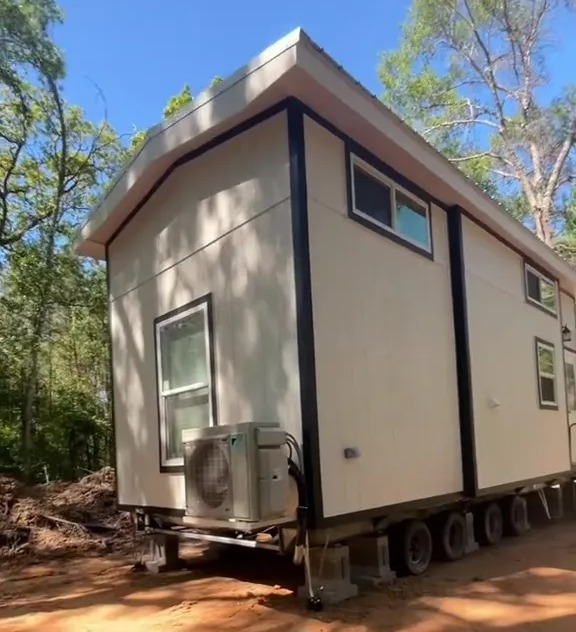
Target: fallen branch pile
[(61, 518)]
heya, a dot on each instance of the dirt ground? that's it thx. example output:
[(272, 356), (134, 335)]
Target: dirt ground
[(527, 584)]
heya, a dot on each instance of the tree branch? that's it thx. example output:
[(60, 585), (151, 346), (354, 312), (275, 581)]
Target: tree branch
[(461, 122), (481, 154)]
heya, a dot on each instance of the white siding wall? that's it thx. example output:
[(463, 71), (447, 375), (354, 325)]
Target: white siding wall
[(385, 360), (219, 224), (515, 439)]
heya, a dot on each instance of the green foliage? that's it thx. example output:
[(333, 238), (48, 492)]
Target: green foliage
[(174, 105), (467, 76), (177, 102), (54, 382), (25, 44)]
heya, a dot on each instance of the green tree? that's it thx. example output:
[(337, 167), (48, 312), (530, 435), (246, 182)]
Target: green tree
[(468, 76), (54, 399), (174, 105), (27, 57)]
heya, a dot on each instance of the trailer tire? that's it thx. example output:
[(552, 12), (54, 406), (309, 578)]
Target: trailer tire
[(450, 542), (515, 516), (489, 524), (416, 549)]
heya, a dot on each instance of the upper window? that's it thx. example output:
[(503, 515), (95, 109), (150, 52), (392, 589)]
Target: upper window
[(386, 205), (541, 290), (184, 374), (545, 357)]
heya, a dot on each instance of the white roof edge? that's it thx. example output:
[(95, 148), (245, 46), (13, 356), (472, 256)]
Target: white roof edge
[(279, 47), (481, 204), (87, 247)]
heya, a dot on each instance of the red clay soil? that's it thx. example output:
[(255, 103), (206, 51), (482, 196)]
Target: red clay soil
[(526, 585)]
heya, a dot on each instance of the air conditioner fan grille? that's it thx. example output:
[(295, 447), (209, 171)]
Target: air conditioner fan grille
[(211, 472)]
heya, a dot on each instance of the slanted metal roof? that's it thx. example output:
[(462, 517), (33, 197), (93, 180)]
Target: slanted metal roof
[(297, 66)]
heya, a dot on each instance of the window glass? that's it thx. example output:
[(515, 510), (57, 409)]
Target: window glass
[(183, 411), (546, 360), (533, 284), (184, 379), (547, 390), (541, 290), (384, 202), (372, 197), (411, 220), (546, 373), (183, 350), (548, 294)]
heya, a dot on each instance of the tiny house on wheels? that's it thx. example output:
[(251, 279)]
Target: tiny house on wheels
[(325, 339)]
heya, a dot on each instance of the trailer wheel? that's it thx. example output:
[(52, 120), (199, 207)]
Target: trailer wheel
[(489, 524), (515, 516), (416, 551), (451, 537)]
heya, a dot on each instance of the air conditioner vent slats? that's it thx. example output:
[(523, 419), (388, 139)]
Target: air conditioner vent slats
[(211, 471)]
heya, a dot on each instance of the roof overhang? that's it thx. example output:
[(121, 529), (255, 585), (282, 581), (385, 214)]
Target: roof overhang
[(296, 66)]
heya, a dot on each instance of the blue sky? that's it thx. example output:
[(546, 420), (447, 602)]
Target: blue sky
[(138, 53), (141, 52)]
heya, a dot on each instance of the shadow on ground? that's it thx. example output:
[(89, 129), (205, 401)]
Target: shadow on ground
[(527, 585)]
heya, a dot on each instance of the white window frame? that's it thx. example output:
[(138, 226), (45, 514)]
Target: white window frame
[(191, 388), (355, 161), (544, 403), (546, 279)]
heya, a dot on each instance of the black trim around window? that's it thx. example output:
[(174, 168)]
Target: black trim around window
[(540, 273), (207, 300), (354, 151), (547, 343)]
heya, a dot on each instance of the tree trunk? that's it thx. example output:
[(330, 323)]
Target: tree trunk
[(543, 225), (40, 320), (28, 417)]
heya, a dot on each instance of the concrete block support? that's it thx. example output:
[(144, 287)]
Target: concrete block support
[(370, 560), (471, 544), (163, 553), (330, 569)]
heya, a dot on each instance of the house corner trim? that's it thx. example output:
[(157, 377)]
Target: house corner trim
[(304, 312), (462, 348)]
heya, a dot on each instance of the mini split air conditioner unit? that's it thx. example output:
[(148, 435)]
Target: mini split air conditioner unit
[(236, 472)]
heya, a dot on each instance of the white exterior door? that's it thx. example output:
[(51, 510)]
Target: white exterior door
[(570, 366)]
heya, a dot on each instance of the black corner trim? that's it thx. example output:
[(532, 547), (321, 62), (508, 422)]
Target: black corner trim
[(304, 314), (114, 447), (462, 344), (544, 406), (207, 299)]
